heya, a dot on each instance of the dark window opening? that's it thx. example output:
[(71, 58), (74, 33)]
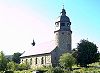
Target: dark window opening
[(62, 24), (36, 61), (42, 60)]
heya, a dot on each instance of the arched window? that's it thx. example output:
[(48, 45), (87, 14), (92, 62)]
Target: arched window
[(36, 61), (31, 61), (42, 61)]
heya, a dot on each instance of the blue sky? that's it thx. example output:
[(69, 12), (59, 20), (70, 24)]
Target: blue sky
[(23, 20)]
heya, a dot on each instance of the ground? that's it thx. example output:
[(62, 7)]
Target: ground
[(93, 68)]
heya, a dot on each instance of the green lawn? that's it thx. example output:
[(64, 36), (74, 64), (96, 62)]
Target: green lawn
[(93, 68)]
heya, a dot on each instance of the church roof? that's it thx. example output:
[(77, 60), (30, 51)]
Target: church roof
[(43, 48)]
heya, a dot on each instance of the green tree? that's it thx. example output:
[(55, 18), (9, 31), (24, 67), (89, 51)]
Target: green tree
[(86, 53), (3, 62), (16, 57), (67, 60), (11, 66)]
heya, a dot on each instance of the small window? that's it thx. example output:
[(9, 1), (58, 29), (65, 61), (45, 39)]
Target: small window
[(36, 61), (42, 61), (62, 24), (22, 60)]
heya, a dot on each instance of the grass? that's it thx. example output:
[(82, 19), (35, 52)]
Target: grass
[(76, 69), (93, 68)]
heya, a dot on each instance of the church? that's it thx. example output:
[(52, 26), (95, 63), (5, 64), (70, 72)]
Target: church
[(49, 53)]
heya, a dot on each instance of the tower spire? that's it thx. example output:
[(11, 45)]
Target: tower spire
[(63, 11)]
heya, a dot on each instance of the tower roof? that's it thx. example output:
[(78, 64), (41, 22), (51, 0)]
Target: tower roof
[(63, 12), (63, 16)]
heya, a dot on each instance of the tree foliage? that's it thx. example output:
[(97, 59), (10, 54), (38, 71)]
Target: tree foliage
[(67, 60), (23, 66), (86, 53), (11, 66), (3, 62), (16, 57)]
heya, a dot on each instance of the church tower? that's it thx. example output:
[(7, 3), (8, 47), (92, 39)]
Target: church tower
[(63, 33)]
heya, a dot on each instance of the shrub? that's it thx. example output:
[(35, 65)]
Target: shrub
[(11, 66), (23, 66), (55, 70), (58, 70), (67, 60)]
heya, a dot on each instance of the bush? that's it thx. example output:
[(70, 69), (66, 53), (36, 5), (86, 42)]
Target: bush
[(58, 70), (23, 66), (41, 69), (55, 70), (11, 66), (67, 61)]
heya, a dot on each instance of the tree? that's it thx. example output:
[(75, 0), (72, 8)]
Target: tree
[(86, 53), (3, 62), (11, 66), (16, 57), (67, 60)]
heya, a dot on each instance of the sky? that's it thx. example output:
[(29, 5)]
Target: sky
[(21, 21)]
